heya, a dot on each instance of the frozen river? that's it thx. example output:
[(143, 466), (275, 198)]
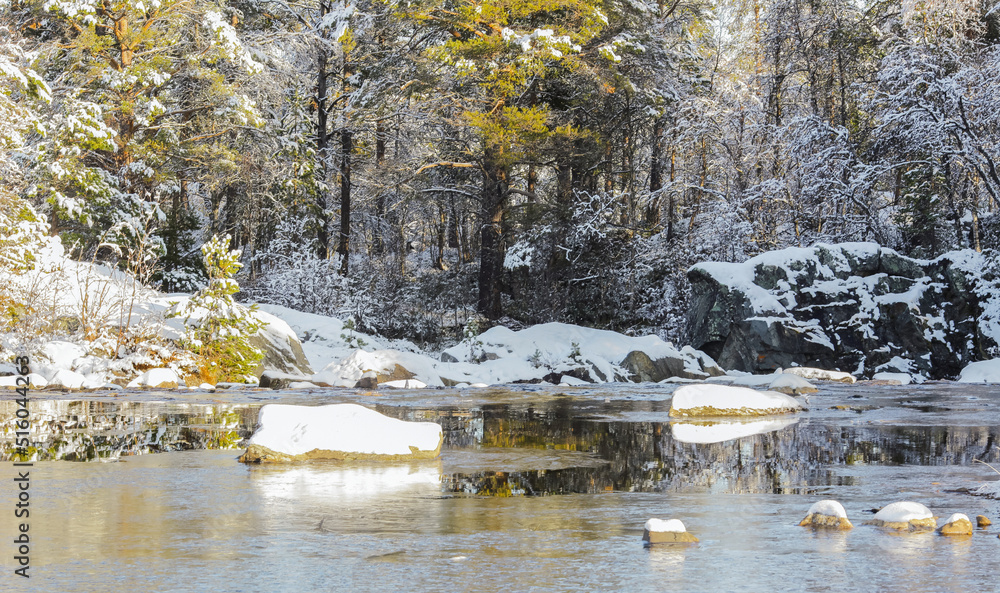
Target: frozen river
[(536, 489)]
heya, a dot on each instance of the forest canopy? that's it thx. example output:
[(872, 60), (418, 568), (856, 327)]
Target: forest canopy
[(412, 165)]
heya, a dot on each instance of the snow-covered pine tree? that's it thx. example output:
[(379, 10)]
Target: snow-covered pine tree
[(217, 328)]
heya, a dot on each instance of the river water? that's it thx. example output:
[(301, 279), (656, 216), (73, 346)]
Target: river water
[(536, 489)]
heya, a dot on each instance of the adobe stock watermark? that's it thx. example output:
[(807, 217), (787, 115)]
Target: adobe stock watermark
[(22, 481)]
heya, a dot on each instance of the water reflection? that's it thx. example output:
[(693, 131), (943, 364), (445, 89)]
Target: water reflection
[(707, 432)]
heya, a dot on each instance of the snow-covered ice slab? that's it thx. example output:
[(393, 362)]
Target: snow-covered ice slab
[(338, 431), (820, 374), (703, 433), (725, 400)]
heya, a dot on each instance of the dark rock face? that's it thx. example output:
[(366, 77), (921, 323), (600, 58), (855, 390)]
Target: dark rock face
[(854, 307)]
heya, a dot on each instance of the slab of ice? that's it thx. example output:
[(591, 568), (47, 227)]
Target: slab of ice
[(725, 400), (820, 374), (349, 428), (896, 378)]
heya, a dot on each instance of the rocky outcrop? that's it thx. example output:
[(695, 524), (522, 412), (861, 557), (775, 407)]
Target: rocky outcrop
[(687, 365), (281, 347), (854, 307)]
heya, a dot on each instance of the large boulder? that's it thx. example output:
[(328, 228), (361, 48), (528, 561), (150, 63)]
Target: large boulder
[(855, 307), (684, 365), (282, 349)]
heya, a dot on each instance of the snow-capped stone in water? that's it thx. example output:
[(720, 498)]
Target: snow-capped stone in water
[(156, 379), (986, 371), (904, 516), (338, 431), (706, 432), (893, 378), (820, 374), (957, 524), (790, 384), (724, 400), (983, 521), (827, 513), (67, 379), (35, 381), (672, 531)]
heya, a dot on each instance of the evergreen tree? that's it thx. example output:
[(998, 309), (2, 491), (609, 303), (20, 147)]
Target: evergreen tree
[(218, 329)]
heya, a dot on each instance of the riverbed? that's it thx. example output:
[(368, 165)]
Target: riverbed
[(537, 488)]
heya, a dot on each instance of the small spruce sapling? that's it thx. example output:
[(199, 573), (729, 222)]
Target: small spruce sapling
[(218, 329)]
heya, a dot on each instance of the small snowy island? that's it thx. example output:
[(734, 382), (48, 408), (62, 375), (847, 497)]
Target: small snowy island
[(904, 516), (827, 513), (672, 531), (724, 400), (338, 432)]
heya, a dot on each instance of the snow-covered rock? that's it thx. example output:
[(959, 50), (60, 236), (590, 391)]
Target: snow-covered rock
[(67, 379), (987, 371), (893, 378), (725, 400), (820, 374), (554, 352), (827, 513), (671, 531), (956, 524), (853, 307), (156, 379), (281, 347), (604, 355), (388, 365), (35, 381), (904, 516), (791, 384), (703, 432), (338, 431)]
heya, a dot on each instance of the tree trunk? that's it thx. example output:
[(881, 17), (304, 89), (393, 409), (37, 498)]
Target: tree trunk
[(322, 148), (378, 242), (491, 250), (655, 174), (344, 245)]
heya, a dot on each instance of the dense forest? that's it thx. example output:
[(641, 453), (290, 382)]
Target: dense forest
[(414, 165)]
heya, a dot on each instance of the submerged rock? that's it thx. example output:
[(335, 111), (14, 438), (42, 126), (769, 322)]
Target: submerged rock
[(957, 524), (904, 516), (827, 513), (340, 432), (658, 531)]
